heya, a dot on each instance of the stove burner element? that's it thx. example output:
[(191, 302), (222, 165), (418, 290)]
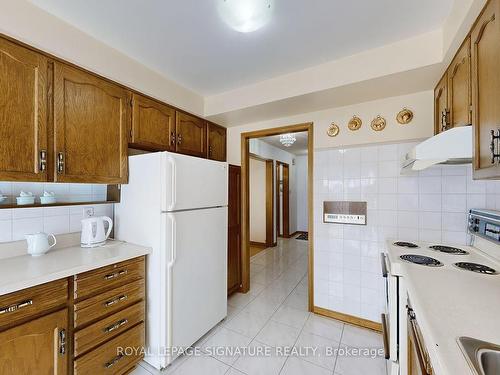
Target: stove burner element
[(422, 260), (448, 250), (405, 244), (475, 267)]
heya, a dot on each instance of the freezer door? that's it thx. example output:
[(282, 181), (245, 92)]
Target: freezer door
[(197, 273), (191, 182)]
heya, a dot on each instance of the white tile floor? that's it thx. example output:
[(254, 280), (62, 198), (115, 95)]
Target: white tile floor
[(273, 316)]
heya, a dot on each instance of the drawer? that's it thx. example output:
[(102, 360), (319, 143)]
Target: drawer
[(109, 277), (108, 359), (108, 302), (108, 328), (32, 301)]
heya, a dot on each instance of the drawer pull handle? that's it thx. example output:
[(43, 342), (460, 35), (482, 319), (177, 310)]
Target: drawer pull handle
[(16, 307), (114, 361), (116, 300), (115, 326), (115, 275)]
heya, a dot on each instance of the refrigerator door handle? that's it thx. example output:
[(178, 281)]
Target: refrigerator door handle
[(173, 180), (173, 240)]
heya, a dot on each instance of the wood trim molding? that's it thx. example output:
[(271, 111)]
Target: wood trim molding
[(285, 211), (257, 157), (269, 203), (261, 245), (245, 216), (349, 319)]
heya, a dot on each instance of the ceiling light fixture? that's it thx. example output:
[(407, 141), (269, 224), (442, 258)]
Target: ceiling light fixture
[(287, 139), (245, 15)]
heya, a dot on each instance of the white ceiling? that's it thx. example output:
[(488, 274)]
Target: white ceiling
[(298, 148), (187, 42)]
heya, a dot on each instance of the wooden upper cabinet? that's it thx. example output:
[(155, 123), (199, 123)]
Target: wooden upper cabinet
[(485, 61), (459, 87), (216, 142), (92, 118), (23, 113), (37, 347), (153, 125), (441, 105), (191, 134)]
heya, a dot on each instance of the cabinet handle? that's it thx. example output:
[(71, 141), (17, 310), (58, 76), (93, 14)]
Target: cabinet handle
[(444, 120), (116, 300), (209, 150), (16, 306), (494, 139), (111, 276), (62, 342), (179, 139), (43, 160), (114, 361), (115, 326), (172, 138), (60, 162)]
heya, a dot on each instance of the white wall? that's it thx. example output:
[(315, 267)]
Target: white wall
[(301, 195), (24, 21), (257, 187), (267, 151), (428, 206), (422, 125)]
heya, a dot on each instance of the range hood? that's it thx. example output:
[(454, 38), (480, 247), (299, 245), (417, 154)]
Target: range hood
[(453, 146)]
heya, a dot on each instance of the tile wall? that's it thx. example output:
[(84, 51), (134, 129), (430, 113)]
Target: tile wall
[(430, 205), (15, 223)]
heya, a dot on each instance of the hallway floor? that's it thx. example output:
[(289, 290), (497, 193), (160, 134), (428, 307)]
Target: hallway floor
[(272, 321)]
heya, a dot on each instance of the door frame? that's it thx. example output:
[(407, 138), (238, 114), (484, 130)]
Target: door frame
[(269, 200), (245, 198), (286, 208)]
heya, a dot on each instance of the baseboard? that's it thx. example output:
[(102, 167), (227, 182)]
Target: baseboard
[(272, 244), (349, 319), (261, 245)]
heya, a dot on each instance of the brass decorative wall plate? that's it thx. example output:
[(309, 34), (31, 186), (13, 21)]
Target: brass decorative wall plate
[(333, 130), (354, 123), (404, 116), (378, 123)]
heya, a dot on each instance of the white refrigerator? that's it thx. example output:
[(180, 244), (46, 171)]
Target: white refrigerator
[(177, 205)]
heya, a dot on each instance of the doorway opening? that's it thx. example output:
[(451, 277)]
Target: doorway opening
[(288, 190)]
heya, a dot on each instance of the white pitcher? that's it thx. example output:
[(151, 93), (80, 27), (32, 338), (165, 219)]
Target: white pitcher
[(38, 243)]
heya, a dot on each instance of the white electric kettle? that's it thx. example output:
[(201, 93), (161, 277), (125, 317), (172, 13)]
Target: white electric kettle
[(93, 232)]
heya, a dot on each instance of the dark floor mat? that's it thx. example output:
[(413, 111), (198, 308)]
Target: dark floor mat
[(302, 236)]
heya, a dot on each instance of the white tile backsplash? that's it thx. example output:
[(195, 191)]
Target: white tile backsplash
[(430, 205)]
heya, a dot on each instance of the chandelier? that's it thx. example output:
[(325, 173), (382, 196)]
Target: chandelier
[(287, 139)]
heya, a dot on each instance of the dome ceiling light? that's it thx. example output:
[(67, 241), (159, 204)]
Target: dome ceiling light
[(245, 16)]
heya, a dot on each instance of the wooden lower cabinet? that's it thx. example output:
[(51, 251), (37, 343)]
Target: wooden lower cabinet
[(234, 231), (48, 330), (36, 347)]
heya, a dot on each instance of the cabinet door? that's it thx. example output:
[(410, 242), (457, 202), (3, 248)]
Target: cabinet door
[(153, 125), (23, 113), (234, 230), (216, 136), (459, 87), (92, 117), (191, 135), (36, 347), (441, 105), (485, 39)]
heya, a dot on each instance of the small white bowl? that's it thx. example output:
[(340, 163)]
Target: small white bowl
[(47, 200), (25, 200)]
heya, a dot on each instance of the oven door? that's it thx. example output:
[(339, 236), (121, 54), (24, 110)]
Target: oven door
[(390, 318)]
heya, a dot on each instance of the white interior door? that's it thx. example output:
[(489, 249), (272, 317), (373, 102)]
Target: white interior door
[(191, 182), (197, 273)]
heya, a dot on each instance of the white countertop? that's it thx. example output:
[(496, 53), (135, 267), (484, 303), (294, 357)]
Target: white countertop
[(449, 303), (25, 271)]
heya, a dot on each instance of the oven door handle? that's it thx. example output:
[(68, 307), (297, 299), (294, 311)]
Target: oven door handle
[(417, 343), (385, 336), (383, 264)]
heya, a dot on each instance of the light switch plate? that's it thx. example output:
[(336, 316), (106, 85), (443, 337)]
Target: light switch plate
[(88, 212)]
